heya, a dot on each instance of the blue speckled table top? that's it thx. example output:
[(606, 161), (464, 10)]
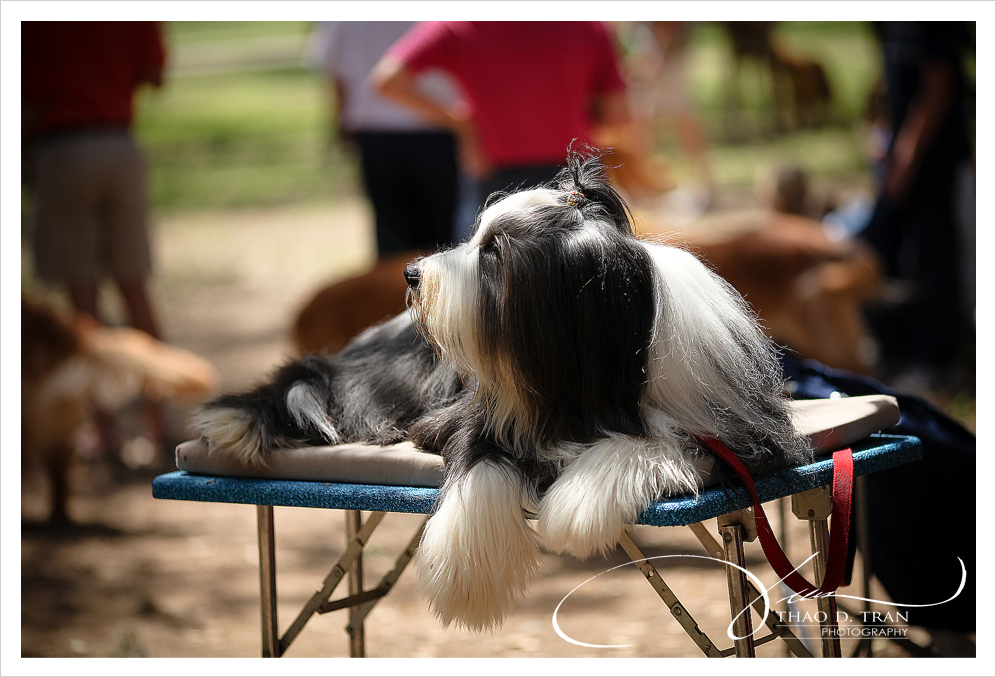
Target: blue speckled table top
[(878, 452)]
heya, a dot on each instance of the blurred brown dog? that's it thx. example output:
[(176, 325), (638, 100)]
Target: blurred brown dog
[(72, 367), (340, 311), (808, 289)]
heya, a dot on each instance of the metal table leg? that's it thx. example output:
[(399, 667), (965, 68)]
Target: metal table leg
[(819, 536), (357, 635), (815, 506), (734, 528), (774, 624), (267, 580)]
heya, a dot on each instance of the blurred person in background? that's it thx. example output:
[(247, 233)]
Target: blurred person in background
[(530, 90), (661, 96), (408, 165), (925, 331), (924, 326), (78, 82)]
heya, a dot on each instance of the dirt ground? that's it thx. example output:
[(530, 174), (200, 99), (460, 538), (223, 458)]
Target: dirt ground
[(139, 577)]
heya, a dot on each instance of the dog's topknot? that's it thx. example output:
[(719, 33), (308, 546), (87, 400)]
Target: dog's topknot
[(585, 186)]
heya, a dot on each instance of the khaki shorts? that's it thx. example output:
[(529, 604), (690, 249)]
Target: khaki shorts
[(90, 208)]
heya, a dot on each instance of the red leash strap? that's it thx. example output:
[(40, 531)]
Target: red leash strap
[(843, 481)]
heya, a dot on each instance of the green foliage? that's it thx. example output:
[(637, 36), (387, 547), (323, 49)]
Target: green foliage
[(236, 125), (848, 52)]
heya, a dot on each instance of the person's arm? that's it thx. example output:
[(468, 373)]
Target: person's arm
[(392, 80), (154, 61), (920, 128)]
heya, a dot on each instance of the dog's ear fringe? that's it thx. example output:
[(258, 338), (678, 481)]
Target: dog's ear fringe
[(585, 174)]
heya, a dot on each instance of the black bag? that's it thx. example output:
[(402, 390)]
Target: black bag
[(921, 515)]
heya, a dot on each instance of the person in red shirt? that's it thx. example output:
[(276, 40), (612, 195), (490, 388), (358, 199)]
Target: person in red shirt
[(531, 90), (84, 74), (78, 81)]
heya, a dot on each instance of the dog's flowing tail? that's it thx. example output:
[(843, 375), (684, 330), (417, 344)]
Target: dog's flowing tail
[(292, 409), (478, 553)]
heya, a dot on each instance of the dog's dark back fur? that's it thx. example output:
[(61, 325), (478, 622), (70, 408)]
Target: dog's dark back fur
[(391, 374)]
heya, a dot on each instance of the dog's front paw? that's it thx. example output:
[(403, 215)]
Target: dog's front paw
[(576, 516), (605, 488), (478, 553)]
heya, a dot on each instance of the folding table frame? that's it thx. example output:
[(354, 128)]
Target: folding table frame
[(806, 485)]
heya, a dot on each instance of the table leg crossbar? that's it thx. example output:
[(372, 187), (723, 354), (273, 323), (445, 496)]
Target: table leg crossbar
[(734, 528), (360, 602), (679, 612), (687, 622)]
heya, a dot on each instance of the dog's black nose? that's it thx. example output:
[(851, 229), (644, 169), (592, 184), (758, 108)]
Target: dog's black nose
[(413, 275)]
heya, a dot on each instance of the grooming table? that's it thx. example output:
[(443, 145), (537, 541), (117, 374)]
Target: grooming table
[(355, 490)]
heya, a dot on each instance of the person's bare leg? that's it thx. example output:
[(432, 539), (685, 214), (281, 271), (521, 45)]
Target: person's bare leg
[(83, 296), (136, 299)]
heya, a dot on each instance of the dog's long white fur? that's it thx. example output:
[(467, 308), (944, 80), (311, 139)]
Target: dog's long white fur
[(610, 483), (478, 552), (695, 340), (449, 302)]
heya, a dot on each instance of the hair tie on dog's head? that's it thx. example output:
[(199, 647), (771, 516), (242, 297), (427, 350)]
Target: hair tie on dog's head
[(575, 199)]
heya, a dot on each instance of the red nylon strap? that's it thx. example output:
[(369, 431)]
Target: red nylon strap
[(843, 481)]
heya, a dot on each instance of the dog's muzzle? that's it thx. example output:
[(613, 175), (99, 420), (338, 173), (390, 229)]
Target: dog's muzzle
[(413, 276)]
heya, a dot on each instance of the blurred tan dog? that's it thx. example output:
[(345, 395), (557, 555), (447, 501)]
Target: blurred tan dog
[(72, 367)]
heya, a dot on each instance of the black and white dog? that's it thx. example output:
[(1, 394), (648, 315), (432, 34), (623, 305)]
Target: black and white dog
[(563, 369)]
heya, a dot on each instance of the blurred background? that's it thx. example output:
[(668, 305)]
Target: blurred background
[(768, 164)]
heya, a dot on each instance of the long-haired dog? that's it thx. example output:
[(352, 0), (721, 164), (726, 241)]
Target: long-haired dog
[(564, 370)]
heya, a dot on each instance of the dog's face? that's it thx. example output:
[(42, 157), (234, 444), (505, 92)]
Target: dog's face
[(548, 312)]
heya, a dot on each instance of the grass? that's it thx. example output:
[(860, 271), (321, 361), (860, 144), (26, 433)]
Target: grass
[(242, 122), (847, 50), (239, 139)]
